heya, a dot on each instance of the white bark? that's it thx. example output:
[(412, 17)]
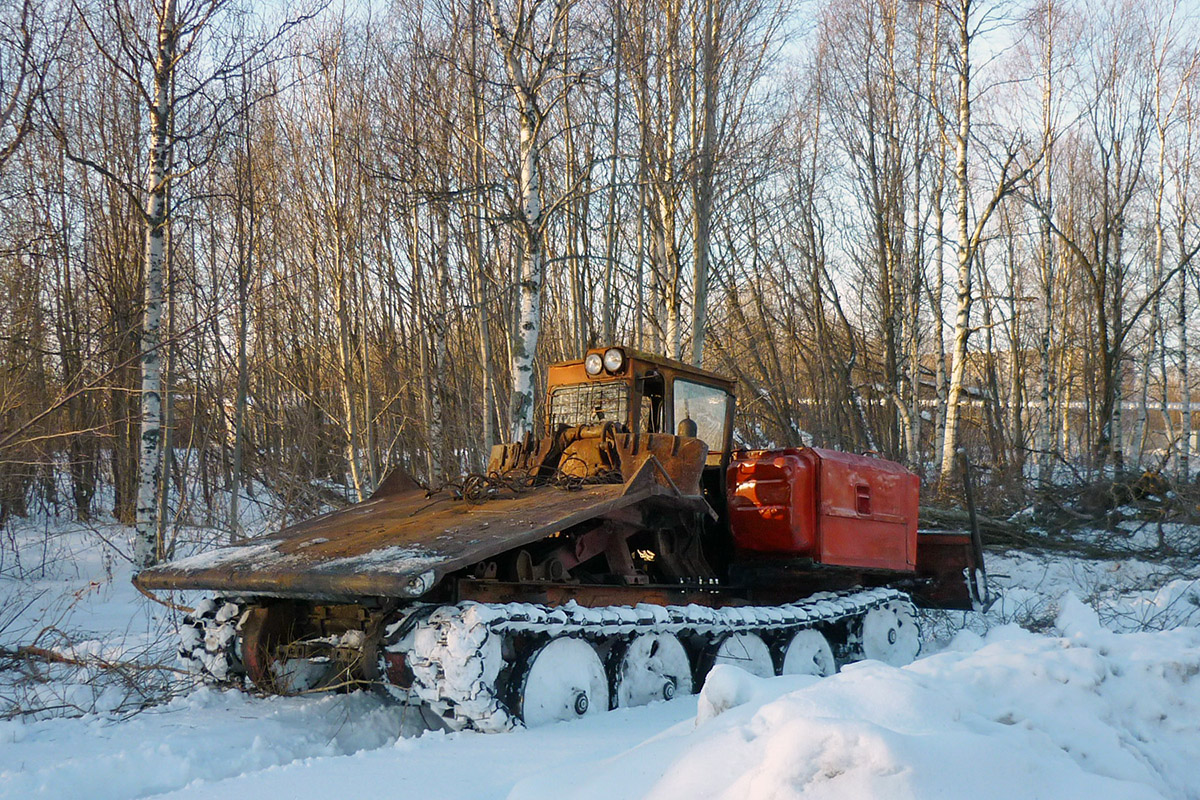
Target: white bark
[(529, 314), (531, 224), (969, 236), (247, 219), (1045, 461), (962, 319), (936, 292), (1142, 429), (147, 550), (609, 311)]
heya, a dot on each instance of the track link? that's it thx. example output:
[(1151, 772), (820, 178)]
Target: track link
[(208, 641), (457, 654)]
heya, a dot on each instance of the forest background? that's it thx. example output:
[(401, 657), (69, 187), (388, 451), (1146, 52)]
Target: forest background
[(272, 253)]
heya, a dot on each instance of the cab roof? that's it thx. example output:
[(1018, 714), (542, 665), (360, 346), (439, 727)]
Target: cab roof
[(676, 368)]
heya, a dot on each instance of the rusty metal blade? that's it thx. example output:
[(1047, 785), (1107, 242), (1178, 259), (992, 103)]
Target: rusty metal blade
[(375, 548)]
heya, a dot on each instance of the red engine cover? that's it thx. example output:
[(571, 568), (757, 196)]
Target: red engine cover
[(836, 508)]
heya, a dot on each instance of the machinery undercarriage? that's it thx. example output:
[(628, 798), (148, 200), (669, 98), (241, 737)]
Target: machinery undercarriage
[(491, 667)]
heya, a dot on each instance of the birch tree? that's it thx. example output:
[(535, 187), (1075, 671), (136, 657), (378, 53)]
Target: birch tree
[(968, 19), (1046, 258), (1172, 70), (528, 38), (182, 115), (146, 550), (1186, 247)]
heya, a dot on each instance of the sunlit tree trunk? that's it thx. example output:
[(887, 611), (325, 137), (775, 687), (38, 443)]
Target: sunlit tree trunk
[(147, 550), (962, 318)]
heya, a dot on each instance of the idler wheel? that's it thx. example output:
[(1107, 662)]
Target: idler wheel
[(267, 635), (890, 634)]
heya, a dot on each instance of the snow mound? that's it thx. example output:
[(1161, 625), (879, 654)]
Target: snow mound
[(1088, 714), (725, 687), (1075, 619)]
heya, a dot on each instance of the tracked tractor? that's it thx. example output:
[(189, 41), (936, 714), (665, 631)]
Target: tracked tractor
[(611, 561)]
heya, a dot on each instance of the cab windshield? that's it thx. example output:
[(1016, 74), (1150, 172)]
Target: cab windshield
[(588, 403), (706, 406)]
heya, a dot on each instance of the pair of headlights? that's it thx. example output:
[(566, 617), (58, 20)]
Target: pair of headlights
[(612, 361)]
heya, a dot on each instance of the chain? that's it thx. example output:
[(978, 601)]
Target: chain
[(478, 488)]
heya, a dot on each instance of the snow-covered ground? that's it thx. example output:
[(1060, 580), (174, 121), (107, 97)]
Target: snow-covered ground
[(1101, 699)]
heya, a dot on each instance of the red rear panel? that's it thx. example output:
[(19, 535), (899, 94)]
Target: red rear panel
[(836, 508), (772, 505), (867, 512)]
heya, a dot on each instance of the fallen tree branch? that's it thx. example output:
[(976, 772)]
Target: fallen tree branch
[(161, 602), (45, 655)]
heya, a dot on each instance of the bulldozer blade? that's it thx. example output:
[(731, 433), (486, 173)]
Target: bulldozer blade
[(401, 542)]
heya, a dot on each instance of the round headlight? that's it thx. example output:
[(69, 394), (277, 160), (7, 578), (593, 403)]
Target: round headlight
[(593, 364), (614, 359)]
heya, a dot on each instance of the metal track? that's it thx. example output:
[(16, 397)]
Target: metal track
[(456, 653)]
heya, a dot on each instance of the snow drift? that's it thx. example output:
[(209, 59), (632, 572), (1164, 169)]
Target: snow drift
[(1085, 714)]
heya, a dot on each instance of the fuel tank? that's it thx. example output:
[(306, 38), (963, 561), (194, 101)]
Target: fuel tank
[(838, 509)]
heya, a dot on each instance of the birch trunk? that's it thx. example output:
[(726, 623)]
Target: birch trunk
[(1018, 445), (478, 278), (969, 237), (576, 250), (1182, 307), (1045, 462), (608, 311), (529, 306), (937, 292), (668, 273), (962, 320), (346, 360), (667, 300), (147, 548), (1160, 190), (168, 379)]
